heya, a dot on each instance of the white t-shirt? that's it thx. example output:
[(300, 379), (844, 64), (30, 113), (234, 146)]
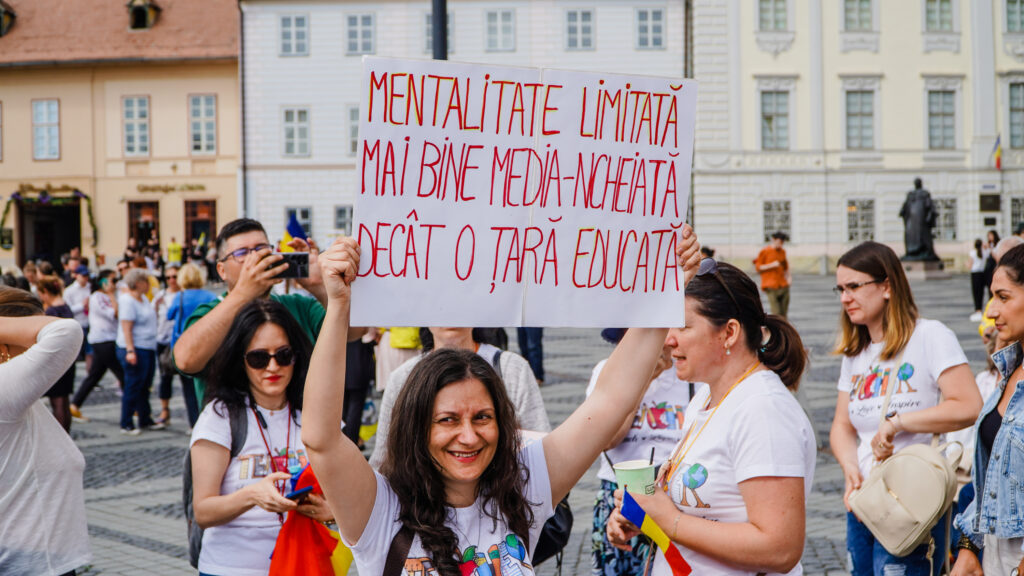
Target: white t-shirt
[(42, 503), (243, 546), (144, 318), (161, 304), (658, 423), (931, 350), (102, 318), (758, 430), (75, 296), (504, 551)]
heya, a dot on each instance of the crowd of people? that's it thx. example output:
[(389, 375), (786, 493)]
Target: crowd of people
[(276, 380)]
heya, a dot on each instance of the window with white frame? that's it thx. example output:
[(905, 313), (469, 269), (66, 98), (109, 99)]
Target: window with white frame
[(777, 218), (294, 35), (202, 114), (938, 15), (343, 219), (1017, 115), (1015, 15), (650, 29), (1016, 212), (353, 130), (500, 30), (296, 131), (860, 120), (46, 129), (429, 33), (774, 120), (941, 119), (359, 34), (857, 15), (860, 220), (304, 215), (579, 29), (135, 121), (772, 15), (945, 223)]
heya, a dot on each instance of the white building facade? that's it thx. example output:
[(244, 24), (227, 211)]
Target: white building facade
[(815, 116), (302, 65)]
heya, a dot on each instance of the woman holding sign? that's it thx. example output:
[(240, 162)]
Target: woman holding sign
[(733, 492), (460, 488)]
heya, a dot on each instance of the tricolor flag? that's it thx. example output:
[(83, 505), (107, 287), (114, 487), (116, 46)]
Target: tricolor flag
[(635, 514), (292, 230), (997, 152)]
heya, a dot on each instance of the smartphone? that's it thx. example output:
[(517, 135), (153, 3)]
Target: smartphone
[(298, 265), (300, 494)]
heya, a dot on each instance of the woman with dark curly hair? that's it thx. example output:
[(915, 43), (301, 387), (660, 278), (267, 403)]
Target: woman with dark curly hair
[(257, 374), (459, 487)]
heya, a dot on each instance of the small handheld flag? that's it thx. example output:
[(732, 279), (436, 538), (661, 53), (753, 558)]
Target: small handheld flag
[(635, 514)]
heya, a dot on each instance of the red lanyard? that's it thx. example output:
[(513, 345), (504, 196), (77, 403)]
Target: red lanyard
[(287, 444)]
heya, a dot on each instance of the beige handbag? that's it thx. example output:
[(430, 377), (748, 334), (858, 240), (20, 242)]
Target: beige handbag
[(904, 496)]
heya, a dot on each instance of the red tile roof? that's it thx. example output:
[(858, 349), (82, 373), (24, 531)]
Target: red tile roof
[(81, 31)]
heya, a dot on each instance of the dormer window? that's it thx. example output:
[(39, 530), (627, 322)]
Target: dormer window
[(6, 18), (142, 14)]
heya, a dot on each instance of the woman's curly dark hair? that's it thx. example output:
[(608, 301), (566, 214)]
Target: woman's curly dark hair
[(225, 374), (415, 476)]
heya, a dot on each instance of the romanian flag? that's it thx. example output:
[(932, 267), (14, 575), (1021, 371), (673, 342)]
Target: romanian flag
[(293, 230), (997, 152), (635, 514)]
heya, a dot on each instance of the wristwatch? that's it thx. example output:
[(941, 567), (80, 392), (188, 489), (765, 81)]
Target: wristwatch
[(965, 543)]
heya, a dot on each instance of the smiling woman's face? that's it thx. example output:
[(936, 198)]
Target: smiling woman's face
[(1007, 307), (463, 433)]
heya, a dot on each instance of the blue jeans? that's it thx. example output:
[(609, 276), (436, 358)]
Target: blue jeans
[(138, 378), (532, 347), (868, 557)]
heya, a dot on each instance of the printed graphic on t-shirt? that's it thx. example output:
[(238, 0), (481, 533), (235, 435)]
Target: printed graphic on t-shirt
[(660, 416), (257, 465), (506, 558), (690, 478), (875, 384)]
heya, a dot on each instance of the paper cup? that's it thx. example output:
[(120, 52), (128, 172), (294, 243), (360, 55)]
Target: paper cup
[(637, 476)]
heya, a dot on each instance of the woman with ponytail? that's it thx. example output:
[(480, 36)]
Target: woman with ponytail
[(734, 489), (885, 343)]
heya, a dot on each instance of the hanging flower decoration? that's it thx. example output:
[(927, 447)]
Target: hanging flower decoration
[(48, 196)]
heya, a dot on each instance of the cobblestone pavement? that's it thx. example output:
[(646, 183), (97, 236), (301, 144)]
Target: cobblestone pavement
[(133, 484)]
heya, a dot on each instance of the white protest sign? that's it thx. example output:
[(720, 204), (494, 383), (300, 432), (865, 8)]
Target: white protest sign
[(501, 196)]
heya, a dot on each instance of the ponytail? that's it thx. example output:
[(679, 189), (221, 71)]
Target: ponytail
[(784, 352)]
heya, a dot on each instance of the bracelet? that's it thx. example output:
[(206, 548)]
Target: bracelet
[(965, 543), (130, 352)]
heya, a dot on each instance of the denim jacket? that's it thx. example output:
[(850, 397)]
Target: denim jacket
[(998, 507)]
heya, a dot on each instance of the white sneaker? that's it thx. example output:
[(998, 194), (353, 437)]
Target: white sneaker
[(976, 317), (131, 431)]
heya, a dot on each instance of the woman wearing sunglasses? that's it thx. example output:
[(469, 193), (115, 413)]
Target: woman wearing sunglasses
[(885, 343), (733, 492), (258, 374)]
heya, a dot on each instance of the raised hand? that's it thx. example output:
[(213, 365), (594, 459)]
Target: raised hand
[(258, 274), (315, 278), (339, 266), (688, 253)]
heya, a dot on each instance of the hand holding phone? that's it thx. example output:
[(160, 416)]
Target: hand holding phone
[(298, 265), (300, 494)]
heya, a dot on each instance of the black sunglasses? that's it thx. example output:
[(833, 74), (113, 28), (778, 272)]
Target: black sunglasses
[(708, 266), (260, 359)]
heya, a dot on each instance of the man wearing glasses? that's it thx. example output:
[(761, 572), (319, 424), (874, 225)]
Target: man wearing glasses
[(773, 267), (247, 263)]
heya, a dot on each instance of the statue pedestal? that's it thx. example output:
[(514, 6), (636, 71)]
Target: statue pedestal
[(933, 270)]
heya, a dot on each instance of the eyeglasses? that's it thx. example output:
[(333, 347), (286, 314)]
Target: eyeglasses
[(260, 359), (169, 277), (240, 254), (852, 287), (710, 266)]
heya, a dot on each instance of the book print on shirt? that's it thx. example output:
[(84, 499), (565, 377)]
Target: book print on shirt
[(875, 384), (659, 416), (252, 466), (691, 477), (506, 558)]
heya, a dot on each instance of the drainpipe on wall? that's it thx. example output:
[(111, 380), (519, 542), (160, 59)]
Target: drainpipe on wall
[(688, 73), (243, 187)]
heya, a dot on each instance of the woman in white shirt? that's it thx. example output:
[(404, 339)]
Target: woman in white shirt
[(885, 343), (136, 350), (257, 374), (42, 503), (102, 336), (458, 489), (734, 490)]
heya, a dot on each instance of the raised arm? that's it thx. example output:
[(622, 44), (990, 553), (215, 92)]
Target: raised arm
[(346, 478), (572, 447), (52, 345)]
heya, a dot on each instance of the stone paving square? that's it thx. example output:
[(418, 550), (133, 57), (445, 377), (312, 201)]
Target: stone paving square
[(133, 484)]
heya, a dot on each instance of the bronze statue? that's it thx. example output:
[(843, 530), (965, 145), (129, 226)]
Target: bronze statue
[(919, 216)]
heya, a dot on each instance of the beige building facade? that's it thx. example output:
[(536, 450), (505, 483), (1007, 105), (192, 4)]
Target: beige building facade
[(140, 136)]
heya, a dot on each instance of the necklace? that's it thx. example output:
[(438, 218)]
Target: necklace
[(270, 454), (684, 446)]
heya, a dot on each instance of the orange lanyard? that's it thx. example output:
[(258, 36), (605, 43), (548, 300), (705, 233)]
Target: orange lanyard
[(677, 458)]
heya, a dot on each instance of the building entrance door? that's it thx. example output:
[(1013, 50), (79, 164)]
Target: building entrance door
[(143, 219), (45, 231)]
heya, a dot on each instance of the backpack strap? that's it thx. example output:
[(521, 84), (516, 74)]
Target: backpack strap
[(496, 362), (398, 552), (239, 430)]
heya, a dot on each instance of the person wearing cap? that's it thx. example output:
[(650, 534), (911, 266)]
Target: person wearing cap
[(773, 267)]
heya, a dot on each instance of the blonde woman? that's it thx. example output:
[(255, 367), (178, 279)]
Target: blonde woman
[(191, 296)]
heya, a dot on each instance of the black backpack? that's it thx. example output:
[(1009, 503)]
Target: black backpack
[(555, 534), (239, 430)]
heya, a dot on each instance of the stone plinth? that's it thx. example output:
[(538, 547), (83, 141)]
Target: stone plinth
[(934, 270)]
